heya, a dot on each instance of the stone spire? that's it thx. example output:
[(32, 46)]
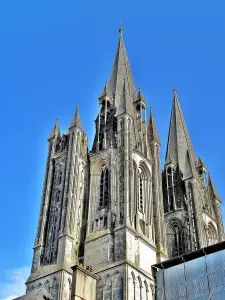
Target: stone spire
[(55, 130), (121, 72), (106, 92), (179, 146), (76, 120), (152, 130)]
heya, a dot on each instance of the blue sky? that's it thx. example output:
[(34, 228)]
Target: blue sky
[(56, 54)]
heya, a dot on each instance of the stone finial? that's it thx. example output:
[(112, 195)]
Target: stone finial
[(121, 27), (55, 131)]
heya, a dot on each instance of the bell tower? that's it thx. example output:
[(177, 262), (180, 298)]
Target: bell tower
[(191, 216), (125, 231)]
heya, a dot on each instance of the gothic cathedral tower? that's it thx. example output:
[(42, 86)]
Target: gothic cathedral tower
[(125, 231), (104, 207), (111, 207), (192, 207), (62, 221)]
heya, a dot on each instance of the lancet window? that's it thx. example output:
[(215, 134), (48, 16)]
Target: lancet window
[(141, 191), (170, 185), (104, 188), (177, 241), (211, 234)]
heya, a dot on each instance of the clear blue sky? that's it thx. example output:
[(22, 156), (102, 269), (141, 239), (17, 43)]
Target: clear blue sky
[(56, 54)]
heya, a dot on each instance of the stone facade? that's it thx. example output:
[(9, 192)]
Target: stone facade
[(111, 208), (192, 207)]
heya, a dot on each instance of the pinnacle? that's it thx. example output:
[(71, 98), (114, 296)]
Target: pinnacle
[(106, 91), (55, 130), (140, 96), (212, 190), (152, 130), (200, 163), (76, 120)]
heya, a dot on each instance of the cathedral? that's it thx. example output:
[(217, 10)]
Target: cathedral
[(112, 208)]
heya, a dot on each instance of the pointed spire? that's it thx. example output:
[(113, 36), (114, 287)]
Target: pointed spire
[(212, 190), (140, 97), (76, 120), (179, 141), (121, 71), (152, 130), (55, 130), (200, 163), (106, 91)]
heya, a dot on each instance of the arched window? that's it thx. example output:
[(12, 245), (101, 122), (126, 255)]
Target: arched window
[(104, 188), (195, 243), (133, 295), (140, 192), (146, 290), (140, 287), (170, 187), (177, 241), (211, 234)]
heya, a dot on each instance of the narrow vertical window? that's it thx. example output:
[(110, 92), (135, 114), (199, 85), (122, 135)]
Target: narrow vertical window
[(170, 188), (104, 188), (101, 189), (177, 241), (141, 192)]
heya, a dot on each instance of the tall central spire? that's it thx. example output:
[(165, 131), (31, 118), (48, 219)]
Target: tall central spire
[(121, 77)]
